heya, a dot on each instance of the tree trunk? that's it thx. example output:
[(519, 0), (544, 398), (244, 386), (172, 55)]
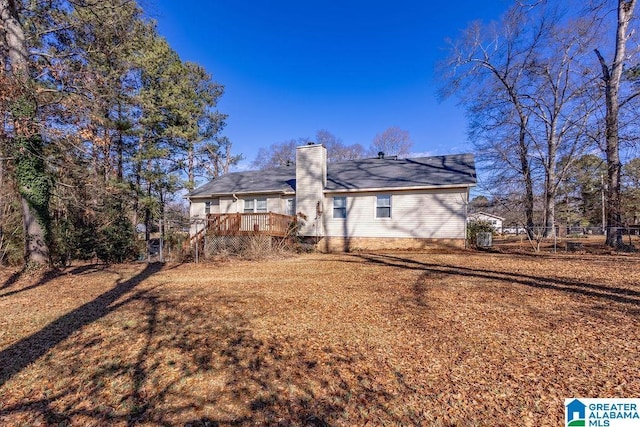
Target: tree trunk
[(106, 156), (120, 148), (137, 184), (227, 159), (191, 169), (120, 158), (549, 214), (26, 147), (611, 77), (526, 175), (36, 250), (550, 184), (161, 225), (147, 222), (2, 197)]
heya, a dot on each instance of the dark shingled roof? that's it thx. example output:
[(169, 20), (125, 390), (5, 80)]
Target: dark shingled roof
[(353, 175), (280, 180), (452, 170)]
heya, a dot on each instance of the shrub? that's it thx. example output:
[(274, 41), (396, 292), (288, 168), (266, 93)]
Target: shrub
[(74, 236), (475, 227), (116, 240)]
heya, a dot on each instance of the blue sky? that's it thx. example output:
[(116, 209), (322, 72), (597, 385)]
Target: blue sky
[(353, 68)]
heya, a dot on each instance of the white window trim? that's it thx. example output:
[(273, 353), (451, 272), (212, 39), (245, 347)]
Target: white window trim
[(333, 206), (375, 208), (254, 202)]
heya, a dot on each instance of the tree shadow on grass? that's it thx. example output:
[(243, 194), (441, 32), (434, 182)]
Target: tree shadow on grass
[(46, 277), (29, 349), (194, 359), (15, 278), (11, 280), (611, 293)]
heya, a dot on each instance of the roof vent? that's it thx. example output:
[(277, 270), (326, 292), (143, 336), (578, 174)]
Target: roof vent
[(311, 143), (381, 154)]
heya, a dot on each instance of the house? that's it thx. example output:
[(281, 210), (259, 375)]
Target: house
[(378, 203), (495, 220)]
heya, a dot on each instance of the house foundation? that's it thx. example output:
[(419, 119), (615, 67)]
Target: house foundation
[(341, 244)]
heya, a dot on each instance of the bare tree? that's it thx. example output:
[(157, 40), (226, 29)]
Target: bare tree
[(560, 105), (336, 149), (611, 78), (487, 68), (217, 158), (393, 142), (284, 153), (277, 155)]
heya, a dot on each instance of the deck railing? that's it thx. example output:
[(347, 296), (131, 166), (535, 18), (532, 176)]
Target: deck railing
[(250, 224)]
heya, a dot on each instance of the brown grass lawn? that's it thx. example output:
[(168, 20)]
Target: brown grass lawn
[(367, 338)]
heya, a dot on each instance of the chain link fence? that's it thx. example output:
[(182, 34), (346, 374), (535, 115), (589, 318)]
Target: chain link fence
[(568, 238)]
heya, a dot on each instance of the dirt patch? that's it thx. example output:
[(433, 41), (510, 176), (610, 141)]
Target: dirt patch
[(403, 338)]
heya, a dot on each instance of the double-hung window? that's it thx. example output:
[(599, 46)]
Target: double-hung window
[(261, 205), (383, 206), (255, 205), (339, 207)]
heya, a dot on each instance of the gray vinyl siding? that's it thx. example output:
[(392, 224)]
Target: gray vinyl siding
[(427, 214)]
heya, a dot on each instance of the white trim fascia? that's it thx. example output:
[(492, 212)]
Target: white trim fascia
[(242, 193), (387, 189), (351, 190)]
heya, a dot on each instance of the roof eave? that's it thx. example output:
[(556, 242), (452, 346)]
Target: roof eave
[(420, 187), (488, 214), (240, 193)]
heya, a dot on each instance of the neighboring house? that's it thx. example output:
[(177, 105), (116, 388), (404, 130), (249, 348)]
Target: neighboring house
[(494, 220), (358, 204)]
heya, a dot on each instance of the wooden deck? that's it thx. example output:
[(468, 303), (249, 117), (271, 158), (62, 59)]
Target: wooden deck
[(250, 224)]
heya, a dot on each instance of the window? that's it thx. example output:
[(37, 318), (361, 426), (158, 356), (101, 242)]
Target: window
[(383, 206), (255, 205), (291, 207), (339, 207), (207, 208)]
